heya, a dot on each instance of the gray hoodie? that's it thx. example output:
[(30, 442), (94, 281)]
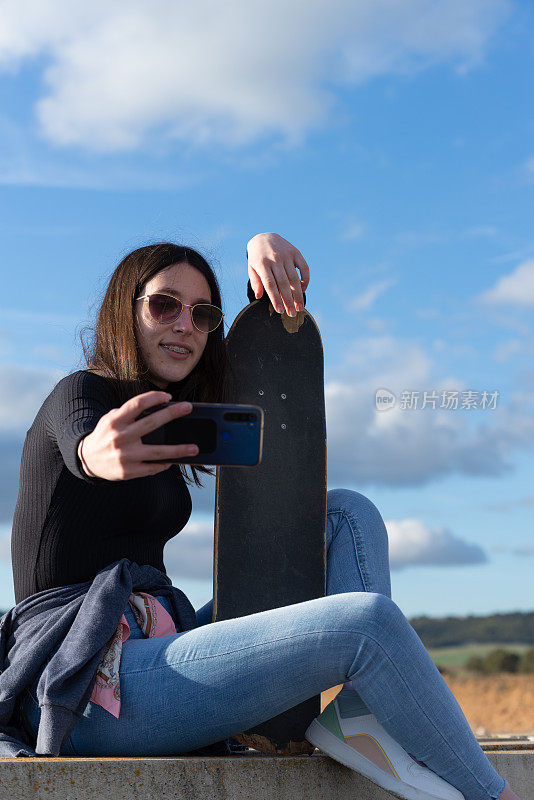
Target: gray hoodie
[(72, 624)]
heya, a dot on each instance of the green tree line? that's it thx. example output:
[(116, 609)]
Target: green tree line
[(500, 660), (499, 628)]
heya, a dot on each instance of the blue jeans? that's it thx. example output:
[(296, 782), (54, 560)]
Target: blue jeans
[(194, 688)]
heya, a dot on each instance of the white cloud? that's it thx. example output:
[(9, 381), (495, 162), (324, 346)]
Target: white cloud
[(10, 457), (24, 166), (411, 542), (21, 317), (366, 299), (511, 505), (482, 231), (22, 392), (5, 543), (517, 288), (527, 550), (224, 72), (354, 230), (506, 350), (514, 255), (376, 324), (190, 554), (402, 447)]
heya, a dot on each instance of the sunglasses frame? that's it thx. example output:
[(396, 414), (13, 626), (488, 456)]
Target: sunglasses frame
[(184, 305)]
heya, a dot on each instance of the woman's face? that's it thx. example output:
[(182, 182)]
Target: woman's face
[(166, 366)]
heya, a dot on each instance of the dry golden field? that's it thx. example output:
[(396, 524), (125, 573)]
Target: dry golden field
[(493, 704)]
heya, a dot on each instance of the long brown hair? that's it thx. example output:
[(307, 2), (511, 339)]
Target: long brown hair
[(114, 353)]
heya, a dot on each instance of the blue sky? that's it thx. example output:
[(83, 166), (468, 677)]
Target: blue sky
[(392, 143)]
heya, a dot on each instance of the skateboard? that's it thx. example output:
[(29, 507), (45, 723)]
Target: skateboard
[(270, 519)]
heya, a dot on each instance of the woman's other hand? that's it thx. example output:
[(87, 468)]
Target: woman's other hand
[(273, 264), (114, 450)]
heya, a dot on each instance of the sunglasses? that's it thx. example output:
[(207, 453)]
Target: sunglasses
[(165, 308)]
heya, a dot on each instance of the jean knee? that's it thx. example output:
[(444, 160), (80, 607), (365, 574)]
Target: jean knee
[(379, 613), (340, 498), (360, 507), (349, 500)]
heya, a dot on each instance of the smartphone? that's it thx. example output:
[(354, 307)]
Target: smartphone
[(227, 434)]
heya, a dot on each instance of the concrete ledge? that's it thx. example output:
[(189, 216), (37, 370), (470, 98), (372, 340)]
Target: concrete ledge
[(252, 775)]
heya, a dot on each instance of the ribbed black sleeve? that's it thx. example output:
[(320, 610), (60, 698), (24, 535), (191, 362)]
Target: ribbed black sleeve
[(68, 526)]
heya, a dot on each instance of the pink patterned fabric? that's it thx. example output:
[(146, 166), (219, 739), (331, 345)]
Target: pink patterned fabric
[(154, 620)]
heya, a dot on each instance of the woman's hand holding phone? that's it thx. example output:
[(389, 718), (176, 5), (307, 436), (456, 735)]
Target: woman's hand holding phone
[(114, 450)]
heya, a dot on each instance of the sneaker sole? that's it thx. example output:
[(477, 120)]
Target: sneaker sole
[(319, 736)]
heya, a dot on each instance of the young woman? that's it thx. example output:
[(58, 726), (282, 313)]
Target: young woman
[(89, 497)]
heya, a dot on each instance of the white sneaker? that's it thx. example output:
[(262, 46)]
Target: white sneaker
[(347, 732)]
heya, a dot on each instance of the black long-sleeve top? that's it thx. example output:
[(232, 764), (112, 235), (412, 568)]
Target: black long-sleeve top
[(68, 526)]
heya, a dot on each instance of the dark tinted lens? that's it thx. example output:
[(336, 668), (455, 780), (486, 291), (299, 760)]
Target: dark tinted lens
[(206, 318), (164, 308)]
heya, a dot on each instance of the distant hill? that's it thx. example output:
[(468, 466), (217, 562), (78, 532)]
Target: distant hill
[(514, 628), (499, 628)]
